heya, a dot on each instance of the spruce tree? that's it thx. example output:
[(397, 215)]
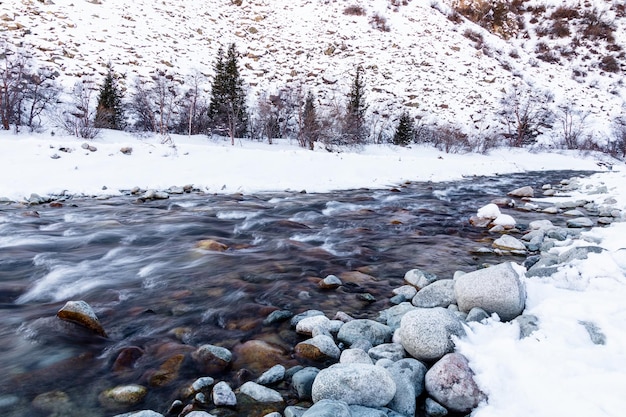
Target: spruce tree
[(354, 123), (110, 113), (309, 126), (404, 131), (227, 110)]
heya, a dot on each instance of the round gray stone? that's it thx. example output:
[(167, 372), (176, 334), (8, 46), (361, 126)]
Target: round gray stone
[(426, 333), (359, 384), (497, 289), (302, 381), (328, 408), (223, 395), (450, 382), (371, 330), (438, 294)]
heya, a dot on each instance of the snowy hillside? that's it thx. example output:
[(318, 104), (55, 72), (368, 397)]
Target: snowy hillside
[(418, 55)]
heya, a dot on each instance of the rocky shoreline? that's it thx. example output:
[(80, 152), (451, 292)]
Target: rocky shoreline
[(401, 364)]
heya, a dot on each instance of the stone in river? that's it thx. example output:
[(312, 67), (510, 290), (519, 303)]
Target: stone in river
[(223, 395), (211, 245), (122, 396), (508, 242), (56, 402), (260, 393), (579, 222), (318, 348), (167, 372), (126, 358), (419, 278), (81, 313), (522, 192), (273, 375), (330, 282), (259, 355), (302, 381), (212, 358), (328, 408)]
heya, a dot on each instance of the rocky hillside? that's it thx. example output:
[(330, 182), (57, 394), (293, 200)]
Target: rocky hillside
[(446, 61)]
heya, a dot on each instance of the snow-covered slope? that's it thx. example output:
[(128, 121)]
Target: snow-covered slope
[(418, 58)]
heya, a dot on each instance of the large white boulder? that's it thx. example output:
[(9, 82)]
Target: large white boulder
[(426, 333), (497, 289)]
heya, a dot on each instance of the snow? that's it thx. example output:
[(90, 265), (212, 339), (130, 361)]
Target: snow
[(555, 371)]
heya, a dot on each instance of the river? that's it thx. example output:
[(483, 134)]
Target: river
[(139, 266)]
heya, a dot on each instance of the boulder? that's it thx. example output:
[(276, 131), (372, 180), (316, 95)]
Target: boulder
[(509, 243), (260, 393), (211, 245), (223, 395), (522, 192), (359, 384), (437, 294), (355, 356), (308, 324), (330, 282), (302, 381), (408, 374), (426, 333), (122, 396), (212, 358), (371, 330), (81, 313), (497, 289), (419, 278), (273, 375), (450, 382), (328, 408), (391, 351), (318, 348), (579, 222)]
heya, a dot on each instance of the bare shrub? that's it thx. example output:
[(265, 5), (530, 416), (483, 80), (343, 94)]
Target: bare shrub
[(475, 37), (78, 118), (379, 22), (525, 113), (154, 104), (617, 143), (608, 63), (573, 127), (565, 12), (451, 139), (597, 26), (560, 28), (354, 10), (497, 16)]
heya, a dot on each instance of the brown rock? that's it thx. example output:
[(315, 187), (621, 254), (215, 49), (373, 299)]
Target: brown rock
[(52, 402), (81, 313), (258, 355), (167, 373), (127, 358), (212, 245)]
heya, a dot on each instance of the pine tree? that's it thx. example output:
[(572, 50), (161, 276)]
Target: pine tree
[(309, 126), (354, 123), (404, 131), (227, 110), (110, 113)]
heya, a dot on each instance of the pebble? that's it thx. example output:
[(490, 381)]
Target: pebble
[(273, 375), (223, 395), (260, 393)]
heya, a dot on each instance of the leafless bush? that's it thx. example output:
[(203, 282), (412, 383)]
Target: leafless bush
[(597, 26), (565, 12), (354, 10), (154, 104), (379, 22), (617, 143), (560, 28), (78, 118), (193, 109), (451, 139), (483, 142), (573, 127), (497, 16), (608, 63), (475, 37), (525, 113)]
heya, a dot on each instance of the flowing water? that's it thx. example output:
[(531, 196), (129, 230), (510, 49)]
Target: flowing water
[(138, 265)]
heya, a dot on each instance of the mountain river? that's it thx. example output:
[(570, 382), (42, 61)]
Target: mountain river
[(140, 268)]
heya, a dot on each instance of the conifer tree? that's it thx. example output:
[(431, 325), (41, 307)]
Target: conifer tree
[(354, 124), (404, 131), (227, 110), (309, 125), (109, 112)]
